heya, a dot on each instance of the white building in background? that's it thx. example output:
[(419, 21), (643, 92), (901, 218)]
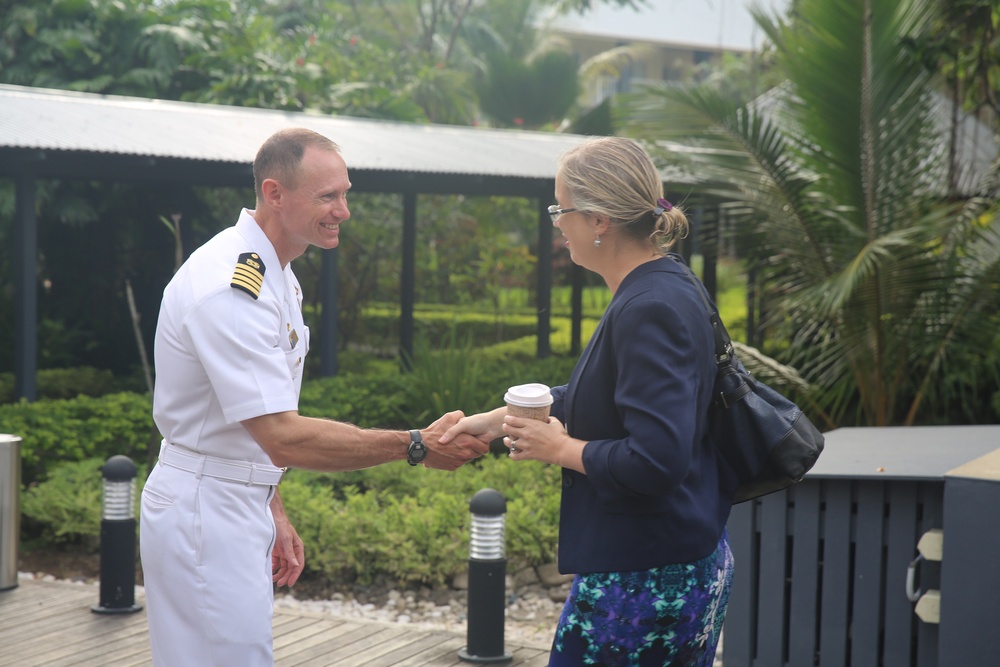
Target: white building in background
[(677, 36)]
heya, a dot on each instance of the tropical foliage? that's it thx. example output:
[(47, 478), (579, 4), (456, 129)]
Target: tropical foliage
[(398, 59), (881, 283), (872, 257)]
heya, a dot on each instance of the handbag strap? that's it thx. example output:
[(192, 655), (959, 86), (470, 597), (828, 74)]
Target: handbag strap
[(723, 344), (725, 355)]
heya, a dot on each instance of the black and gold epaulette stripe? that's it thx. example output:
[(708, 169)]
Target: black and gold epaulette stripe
[(249, 274)]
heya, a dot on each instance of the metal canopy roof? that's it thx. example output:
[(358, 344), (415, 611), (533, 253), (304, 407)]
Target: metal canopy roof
[(60, 134), (50, 134)]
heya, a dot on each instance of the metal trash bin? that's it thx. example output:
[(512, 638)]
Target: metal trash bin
[(10, 508)]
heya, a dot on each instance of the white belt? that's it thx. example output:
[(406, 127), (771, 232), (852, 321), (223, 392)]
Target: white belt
[(227, 469)]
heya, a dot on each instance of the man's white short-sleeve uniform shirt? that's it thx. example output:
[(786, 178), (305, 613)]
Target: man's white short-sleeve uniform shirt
[(223, 355)]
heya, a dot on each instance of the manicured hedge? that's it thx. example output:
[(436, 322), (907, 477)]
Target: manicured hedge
[(411, 525), (380, 327), (55, 431), (52, 383)]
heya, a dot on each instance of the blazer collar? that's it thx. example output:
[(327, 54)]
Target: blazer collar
[(644, 269)]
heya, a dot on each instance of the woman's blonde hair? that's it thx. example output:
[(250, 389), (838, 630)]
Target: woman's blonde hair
[(614, 177)]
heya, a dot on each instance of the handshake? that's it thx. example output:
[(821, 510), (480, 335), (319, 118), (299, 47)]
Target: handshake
[(524, 423)]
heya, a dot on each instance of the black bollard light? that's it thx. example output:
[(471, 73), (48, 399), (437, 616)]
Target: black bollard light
[(118, 538), (487, 574)]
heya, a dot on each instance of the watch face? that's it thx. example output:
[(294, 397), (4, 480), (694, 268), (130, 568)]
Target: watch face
[(417, 451)]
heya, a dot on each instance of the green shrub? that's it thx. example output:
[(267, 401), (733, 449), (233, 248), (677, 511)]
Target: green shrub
[(407, 525), (55, 383), (77, 429), (370, 401), (379, 328), (355, 537), (411, 525), (445, 380)]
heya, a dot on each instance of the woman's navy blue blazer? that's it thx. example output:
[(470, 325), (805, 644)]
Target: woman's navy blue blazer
[(653, 494)]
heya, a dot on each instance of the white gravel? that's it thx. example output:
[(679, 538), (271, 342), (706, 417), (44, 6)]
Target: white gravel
[(530, 617)]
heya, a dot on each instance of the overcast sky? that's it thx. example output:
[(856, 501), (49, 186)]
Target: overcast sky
[(713, 23)]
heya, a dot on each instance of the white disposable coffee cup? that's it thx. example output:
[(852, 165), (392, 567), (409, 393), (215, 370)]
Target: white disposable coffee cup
[(531, 401)]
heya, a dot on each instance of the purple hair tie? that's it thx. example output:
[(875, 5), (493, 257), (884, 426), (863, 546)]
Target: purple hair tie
[(661, 206)]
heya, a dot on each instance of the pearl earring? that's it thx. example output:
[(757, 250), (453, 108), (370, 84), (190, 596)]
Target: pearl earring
[(597, 242)]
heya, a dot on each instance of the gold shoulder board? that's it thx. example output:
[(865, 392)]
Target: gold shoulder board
[(249, 274)]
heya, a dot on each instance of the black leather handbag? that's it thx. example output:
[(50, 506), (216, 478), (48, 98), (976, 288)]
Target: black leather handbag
[(761, 435)]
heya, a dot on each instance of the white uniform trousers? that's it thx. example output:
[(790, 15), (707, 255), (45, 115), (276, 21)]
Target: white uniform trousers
[(206, 547)]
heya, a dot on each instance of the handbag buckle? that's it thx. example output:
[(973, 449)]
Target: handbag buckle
[(746, 384)]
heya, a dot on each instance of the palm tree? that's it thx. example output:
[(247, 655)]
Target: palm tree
[(884, 287)]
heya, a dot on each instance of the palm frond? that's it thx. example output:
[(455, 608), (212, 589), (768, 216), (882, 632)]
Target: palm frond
[(741, 147), (769, 369)]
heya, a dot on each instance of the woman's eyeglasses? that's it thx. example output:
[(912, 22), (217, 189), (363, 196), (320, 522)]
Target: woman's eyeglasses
[(555, 212)]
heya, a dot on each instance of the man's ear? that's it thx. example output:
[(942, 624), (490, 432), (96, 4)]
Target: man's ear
[(272, 191)]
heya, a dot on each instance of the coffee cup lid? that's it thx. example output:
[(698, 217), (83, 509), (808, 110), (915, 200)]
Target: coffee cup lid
[(531, 395)]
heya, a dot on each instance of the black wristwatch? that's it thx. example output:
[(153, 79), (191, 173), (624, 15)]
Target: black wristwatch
[(418, 450)]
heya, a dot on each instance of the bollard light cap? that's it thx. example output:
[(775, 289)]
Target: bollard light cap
[(118, 468), (488, 502)]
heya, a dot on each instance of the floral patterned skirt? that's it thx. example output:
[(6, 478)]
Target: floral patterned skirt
[(669, 615)]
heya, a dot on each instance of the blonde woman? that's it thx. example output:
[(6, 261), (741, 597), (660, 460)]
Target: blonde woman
[(644, 501)]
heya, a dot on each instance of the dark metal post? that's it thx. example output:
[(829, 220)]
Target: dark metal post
[(706, 239), (576, 332), (329, 314), (487, 574), (544, 268), (118, 538), (408, 277), (25, 261)]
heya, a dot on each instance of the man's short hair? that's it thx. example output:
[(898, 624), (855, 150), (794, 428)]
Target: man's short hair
[(280, 155)]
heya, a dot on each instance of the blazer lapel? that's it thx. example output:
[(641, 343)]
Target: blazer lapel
[(578, 369)]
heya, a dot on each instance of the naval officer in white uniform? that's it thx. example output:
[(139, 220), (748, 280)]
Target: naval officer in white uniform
[(230, 349)]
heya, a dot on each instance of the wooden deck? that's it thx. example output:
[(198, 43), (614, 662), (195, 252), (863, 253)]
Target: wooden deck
[(51, 623)]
